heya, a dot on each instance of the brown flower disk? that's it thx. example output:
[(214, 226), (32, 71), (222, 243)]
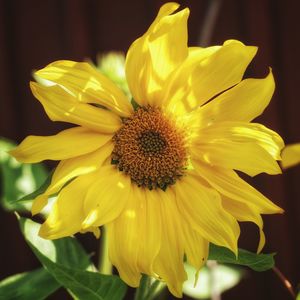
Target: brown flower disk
[(150, 149)]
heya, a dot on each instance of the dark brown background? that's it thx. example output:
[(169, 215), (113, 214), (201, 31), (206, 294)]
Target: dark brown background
[(34, 33)]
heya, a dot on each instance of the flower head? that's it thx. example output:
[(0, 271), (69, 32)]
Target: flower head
[(159, 174)]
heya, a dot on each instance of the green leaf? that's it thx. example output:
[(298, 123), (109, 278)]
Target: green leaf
[(68, 263), (257, 262), (65, 251), (38, 285), (17, 179), (298, 297), (40, 190), (215, 279)]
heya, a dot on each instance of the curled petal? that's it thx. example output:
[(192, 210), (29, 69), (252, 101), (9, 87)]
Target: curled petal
[(39, 203), (153, 57), (215, 70), (240, 132), (66, 216), (87, 85), (248, 147), (245, 213), (60, 105), (249, 158), (202, 208), (228, 183)]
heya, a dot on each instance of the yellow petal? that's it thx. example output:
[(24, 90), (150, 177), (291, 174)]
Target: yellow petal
[(221, 69), (154, 56), (67, 212), (95, 230), (291, 155), (244, 102), (195, 246), (245, 213), (73, 167), (179, 98), (87, 84), (151, 226), (165, 10), (39, 203), (249, 158), (61, 105), (240, 132), (106, 198), (124, 240), (202, 208), (169, 261), (66, 144), (228, 183), (135, 236)]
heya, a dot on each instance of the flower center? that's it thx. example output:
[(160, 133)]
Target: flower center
[(150, 149), (151, 142)]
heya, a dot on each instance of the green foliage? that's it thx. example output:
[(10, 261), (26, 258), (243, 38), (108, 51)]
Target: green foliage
[(17, 179), (37, 285), (68, 263), (149, 288), (112, 65), (257, 262)]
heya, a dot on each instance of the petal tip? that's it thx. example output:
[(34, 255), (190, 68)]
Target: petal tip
[(17, 154)]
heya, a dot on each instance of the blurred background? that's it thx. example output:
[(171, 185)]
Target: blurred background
[(34, 33)]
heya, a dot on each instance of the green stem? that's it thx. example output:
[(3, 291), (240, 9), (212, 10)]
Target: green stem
[(148, 288), (142, 290), (155, 288), (104, 264)]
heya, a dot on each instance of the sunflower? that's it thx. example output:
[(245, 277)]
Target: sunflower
[(158, 171)]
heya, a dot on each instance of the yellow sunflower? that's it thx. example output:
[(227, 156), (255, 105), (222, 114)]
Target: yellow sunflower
[(159, 174)]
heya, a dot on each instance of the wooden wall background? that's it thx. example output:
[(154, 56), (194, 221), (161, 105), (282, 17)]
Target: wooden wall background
[(34, 33)]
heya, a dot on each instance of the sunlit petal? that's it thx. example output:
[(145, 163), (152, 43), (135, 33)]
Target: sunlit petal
[(245, 213), (63, 106), (66, 144), (228, 183), (244, 102), (66, 215), (169, 261), (87, 84), (202, 208), (154, 56), (106, 198), (135, 236)]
